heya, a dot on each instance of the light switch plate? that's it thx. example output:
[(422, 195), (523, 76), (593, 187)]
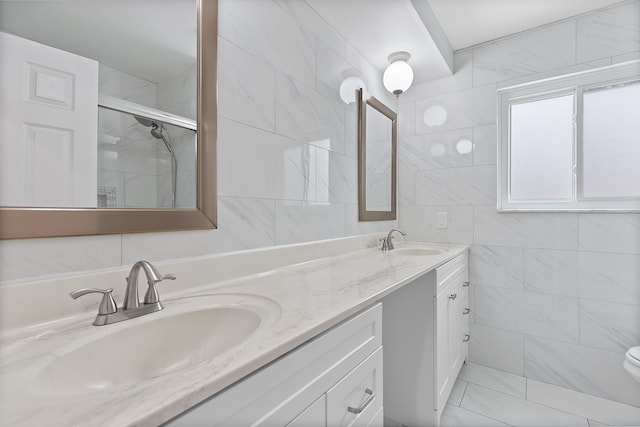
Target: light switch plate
[(442, 220)]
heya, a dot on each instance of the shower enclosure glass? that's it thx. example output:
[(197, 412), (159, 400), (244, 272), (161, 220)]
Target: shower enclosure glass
[(144, 162)]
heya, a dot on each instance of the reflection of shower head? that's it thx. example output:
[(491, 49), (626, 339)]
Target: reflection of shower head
[(156, 132), (156, 129), (143, 121)]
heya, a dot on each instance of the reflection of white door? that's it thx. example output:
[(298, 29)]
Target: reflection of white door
[(48, 125)]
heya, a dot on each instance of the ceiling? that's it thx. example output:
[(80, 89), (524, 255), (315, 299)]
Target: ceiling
[(380, 27), (470, 22)]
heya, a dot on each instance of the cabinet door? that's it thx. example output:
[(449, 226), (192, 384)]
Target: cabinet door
[(449, 336), (444, 382), (314, 416)]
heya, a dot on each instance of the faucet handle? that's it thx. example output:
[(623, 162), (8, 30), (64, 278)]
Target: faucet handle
[(107, 305), (151, 297)]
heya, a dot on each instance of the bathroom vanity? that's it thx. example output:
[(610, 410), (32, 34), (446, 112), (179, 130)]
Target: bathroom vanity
[(294, 335)]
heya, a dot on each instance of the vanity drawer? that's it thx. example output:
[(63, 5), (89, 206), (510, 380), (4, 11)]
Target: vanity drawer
[(446, 272), (278, 393), (314, 415), (357, 398)]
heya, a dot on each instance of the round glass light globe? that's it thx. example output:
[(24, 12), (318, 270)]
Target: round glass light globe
[(397, 77)]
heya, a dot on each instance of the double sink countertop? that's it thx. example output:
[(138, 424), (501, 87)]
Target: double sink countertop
[(59, 369)]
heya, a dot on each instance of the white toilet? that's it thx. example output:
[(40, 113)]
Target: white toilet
[(632, 362)]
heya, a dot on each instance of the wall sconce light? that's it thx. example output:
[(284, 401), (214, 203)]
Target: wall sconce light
[(398, 76), (349, 87)]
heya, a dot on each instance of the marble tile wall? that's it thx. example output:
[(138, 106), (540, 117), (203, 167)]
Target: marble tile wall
[(556, 297), (286, 146)]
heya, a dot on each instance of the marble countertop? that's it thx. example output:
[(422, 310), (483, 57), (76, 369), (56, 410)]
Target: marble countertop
[(304, 300)]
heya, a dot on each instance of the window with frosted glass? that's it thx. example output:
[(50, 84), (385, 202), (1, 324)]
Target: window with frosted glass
[(572, 142), (541, 151), (611, 141)]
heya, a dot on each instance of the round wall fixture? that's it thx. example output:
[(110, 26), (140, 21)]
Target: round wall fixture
[(348, 88), (398, 76)]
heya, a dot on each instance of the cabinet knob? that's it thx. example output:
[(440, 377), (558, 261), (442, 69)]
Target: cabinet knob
[(466, 311), (364, 404), (465, 284), (453, 296), (466, 338)]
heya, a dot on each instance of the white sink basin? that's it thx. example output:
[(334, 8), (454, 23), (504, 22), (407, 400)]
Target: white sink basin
[(188, 331), (413, 251)]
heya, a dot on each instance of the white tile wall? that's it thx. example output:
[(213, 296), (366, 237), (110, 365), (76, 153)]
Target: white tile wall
[(555, 296), (286, 145), (246, 87), (435, 151), (608, 33), (611, 412), (497, 348), (537, 230), (497, 266), (531, 313), (528, 53), (267, 31), (610, 233), (420, 223), (582, 368), (609, 325)]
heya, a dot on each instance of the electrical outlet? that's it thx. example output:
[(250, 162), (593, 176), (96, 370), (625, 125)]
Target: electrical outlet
[(442, 220)]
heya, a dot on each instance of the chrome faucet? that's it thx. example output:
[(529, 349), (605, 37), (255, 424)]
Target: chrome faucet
[(387, 242), (131, 300), (108, 311)]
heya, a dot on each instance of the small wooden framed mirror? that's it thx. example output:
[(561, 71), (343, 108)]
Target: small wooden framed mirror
[(377, 159)]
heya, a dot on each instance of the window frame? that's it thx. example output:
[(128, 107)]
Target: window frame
[(576, 84)]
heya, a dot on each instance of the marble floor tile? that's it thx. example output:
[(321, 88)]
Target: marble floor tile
[(540, 404), (459, 387), (594, 408), (515, 411), (454, 416), (494, 379)]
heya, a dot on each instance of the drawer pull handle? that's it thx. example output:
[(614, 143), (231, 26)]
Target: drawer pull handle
[(466, 311), (467, 337), (453, 296), (364, 404), (465, 284)]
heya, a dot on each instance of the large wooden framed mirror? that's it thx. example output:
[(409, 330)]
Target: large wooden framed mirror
[(46, 146), (377, 159)]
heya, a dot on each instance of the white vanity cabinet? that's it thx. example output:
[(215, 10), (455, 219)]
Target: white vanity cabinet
[(335, 379), (425, 337)]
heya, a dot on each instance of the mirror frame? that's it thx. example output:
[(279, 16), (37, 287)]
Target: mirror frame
[(363, 102), (28, 222)]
